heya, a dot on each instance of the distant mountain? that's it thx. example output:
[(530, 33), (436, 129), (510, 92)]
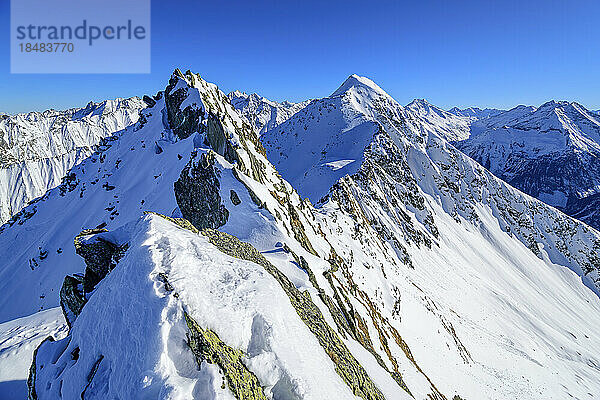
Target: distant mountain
[(38, 148), (263, 114), (475, 112), (551, 152), (447, 124)]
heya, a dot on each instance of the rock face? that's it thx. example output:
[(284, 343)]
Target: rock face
[(197, 193), (72, 298), (184, 118), (100, 255), (207, 347)]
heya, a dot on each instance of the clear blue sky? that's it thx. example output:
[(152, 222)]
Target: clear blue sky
[(483, 53)]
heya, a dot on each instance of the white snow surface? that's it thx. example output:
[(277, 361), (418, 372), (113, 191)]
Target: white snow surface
[(18, 339)]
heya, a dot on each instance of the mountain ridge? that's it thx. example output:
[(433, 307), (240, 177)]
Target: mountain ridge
[(417, 275)]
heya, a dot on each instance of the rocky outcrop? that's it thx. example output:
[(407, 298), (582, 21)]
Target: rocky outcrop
[(218, 139), (72, 298), (206, 346), (197, 193), (182, 122), (100, 256)]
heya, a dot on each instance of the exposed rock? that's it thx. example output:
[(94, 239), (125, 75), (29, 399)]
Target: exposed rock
[(233, 196), (182, 122), (149, 101), (347, 367), (72, 298), (99, 254), (206, 346), (197, 193), (298, 230), (218, 139)]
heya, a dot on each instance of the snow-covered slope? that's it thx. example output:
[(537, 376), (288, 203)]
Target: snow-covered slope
[(18, 340), (410, 184), (263, 114), (419, 275), (551, 152), (38, 148)]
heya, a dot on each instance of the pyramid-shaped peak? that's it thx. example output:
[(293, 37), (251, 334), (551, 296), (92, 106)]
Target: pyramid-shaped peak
[(416, 103), (238, 93), (356, 81)]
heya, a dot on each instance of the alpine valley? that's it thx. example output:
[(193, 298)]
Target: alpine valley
[(194, 244)]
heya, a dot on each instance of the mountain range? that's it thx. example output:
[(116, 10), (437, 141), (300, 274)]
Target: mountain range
[(37, 149), (230, 247), (551, 152)]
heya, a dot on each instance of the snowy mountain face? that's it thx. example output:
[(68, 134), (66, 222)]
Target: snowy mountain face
[(326, 139), (552, 153), (413, 185), (418, 275), (37, 149), (262, 113), (449, 125)]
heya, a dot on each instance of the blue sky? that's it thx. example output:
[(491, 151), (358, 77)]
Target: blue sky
[(464, 53)]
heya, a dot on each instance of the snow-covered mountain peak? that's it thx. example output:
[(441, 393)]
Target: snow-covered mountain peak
[(423, 107), (359, 83), (570, 120), (262, 113), (238, 93), (551, 152), (451, 126), (419, 103)]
